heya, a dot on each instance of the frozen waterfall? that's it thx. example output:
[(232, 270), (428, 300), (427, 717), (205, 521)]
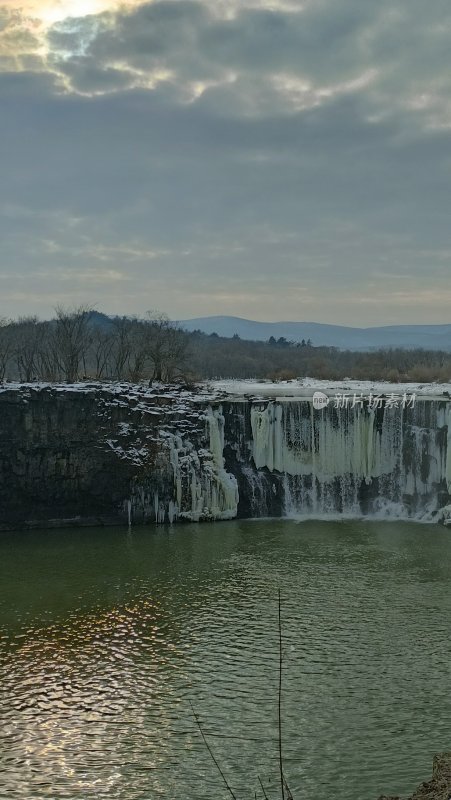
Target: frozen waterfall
[(357, 460)]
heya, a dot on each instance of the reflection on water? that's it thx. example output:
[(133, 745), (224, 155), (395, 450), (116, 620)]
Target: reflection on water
[(106, 637)]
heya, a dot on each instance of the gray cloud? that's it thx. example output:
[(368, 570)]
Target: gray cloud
[(259, 58), (174, 156)]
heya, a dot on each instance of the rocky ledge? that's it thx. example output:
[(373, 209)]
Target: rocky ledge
[(438, 788)]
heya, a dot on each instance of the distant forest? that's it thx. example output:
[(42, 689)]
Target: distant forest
[(83, 344)]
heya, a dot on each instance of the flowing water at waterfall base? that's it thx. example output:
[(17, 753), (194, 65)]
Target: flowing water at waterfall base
[(107, 634)]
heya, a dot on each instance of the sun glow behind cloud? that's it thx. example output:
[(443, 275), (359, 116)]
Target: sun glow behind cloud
[(56, 12), (24, 42), (49, 12)]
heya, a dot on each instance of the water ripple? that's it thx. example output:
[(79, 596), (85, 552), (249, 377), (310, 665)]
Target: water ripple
[(106, 639)]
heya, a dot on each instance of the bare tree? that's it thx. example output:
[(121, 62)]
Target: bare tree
[(6, 346), (72, 337), (29, 336), (138, 358), (166, 345), (122, 346), (102, 344), (47, 357)]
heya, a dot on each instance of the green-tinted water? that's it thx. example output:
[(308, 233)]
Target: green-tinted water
[(105, 637)]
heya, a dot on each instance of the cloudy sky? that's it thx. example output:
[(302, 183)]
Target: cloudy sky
[(272, 159)]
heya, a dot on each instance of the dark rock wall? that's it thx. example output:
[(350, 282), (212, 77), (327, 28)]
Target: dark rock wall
[(62, 453)]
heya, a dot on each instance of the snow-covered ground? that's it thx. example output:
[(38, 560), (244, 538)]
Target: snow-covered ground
[(215, 390), (305, 387)]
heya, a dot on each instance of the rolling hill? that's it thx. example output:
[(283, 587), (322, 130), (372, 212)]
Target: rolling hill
[(430, 337)]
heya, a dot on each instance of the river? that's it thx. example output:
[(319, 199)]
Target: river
[(109, 638)]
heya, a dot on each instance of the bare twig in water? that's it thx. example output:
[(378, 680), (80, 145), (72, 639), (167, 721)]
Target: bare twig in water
[(288, 790), (285, 789), (282, 780), (263, 788), (229, 789)]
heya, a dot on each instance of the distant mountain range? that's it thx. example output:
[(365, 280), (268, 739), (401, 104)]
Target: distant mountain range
[(428, 337)]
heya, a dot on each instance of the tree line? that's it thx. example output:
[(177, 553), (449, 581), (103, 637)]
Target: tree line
[(83, 344), (213, 356)]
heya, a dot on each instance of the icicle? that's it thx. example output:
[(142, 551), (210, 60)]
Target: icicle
[(225, 486), (325, 456), (202, 488), (448, 450)]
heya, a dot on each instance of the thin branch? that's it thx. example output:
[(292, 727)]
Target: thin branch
[(282, 781), (263, 788), (212, 754), (289, 795)]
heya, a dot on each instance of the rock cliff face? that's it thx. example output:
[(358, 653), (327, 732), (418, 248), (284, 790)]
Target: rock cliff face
[(106, 454), (90, 454), (439, 787)]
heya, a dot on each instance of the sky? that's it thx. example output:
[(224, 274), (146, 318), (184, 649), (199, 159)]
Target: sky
[(269, 159)]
